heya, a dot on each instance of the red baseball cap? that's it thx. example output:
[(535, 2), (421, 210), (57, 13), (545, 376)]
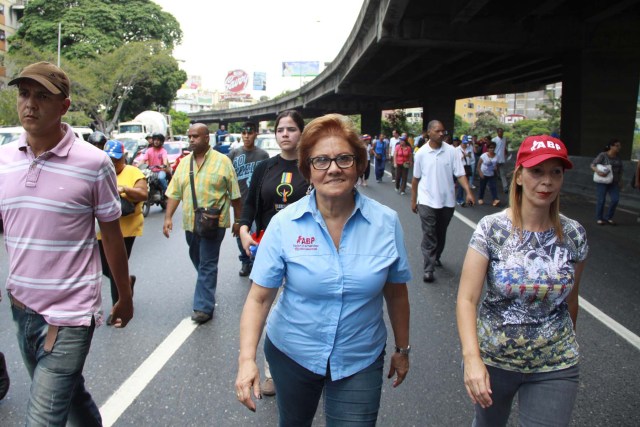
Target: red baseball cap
[(536, 149)]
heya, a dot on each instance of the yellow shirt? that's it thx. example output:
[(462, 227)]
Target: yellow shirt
[(216, 185), (131, 225)]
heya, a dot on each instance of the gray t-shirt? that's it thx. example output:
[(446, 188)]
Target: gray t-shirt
[(245, 162)]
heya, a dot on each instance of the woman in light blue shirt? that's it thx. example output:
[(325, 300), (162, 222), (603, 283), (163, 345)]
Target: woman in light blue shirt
[(340, 254)]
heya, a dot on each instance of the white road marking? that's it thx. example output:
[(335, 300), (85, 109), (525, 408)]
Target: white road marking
[(119, 401)]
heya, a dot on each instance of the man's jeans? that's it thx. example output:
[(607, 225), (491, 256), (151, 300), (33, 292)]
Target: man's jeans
[(614, 195), (162, 179), (434, 233), (204, 254), (354, 400), (544, 399), (379, 168), (57, 385)]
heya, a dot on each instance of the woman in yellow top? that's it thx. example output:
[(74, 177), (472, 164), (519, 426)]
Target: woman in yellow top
[(132, 186)]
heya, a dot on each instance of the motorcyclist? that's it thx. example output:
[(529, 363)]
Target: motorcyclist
[(97, 139), (157, 160)]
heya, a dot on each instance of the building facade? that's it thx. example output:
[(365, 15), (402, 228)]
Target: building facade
[(10, 13)]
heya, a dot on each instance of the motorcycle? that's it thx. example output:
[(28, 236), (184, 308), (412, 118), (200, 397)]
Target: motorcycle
[(156, 195)]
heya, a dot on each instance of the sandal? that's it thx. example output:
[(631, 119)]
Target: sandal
[(495, 203), (601, 222)]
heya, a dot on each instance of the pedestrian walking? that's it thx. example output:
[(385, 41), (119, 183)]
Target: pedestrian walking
[(521, 340), (366, 140), (317, 237), (607, 169), (204, 179), (245, 159), (53, 187), (501, 152), (132, 189), (487, 167), (380, 153), (276, 183), (432, 193), (403, 159)]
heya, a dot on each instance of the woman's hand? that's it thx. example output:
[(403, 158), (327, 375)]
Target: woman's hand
[(248, 377), (246, 239), (476, 381), (399, 366)]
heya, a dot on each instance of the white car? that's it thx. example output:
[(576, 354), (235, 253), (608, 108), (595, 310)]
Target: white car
[(267, 141), (10, 134), (82, 132)]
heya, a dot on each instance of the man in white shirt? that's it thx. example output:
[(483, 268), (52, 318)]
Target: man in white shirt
[(433, 197), (501, 152)]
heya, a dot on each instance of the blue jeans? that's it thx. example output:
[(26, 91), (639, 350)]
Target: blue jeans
[(350, 401), (57, 385), (204, 254), (545, 398), (379, 168), (491, 180), (162, 179), (601, 194), (243, 257)]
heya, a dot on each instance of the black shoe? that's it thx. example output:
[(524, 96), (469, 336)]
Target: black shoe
[(4, 377), (428, 277), (245, 269), (438, 263), (200, 317)]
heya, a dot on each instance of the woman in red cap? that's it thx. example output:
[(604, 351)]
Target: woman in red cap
[(521, 340)]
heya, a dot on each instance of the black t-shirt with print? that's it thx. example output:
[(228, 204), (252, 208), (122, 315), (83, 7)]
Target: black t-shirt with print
[(282, 185)]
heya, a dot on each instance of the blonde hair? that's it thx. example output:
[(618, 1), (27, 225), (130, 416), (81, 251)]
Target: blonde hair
[(515, 203)]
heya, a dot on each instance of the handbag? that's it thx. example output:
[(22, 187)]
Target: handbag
[(467, 170), (604, 168), (406, 165), (127, 207), (206, 220)]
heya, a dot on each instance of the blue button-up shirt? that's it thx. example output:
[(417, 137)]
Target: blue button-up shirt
[(330, 310)]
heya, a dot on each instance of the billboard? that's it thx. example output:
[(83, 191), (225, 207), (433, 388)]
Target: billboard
[(236, 81), (259, 80), (300, 68)]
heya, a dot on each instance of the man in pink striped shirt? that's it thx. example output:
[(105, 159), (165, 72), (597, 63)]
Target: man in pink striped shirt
[(52, 187)]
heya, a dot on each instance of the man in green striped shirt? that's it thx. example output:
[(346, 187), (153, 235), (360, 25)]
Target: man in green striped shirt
[(216, 185)]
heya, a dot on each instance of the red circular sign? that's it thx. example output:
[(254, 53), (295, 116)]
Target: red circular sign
[(236, 81)]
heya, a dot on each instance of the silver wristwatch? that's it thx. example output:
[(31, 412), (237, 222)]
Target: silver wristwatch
[(403, 350)]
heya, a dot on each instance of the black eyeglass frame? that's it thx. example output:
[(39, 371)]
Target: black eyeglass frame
[(351, 157)]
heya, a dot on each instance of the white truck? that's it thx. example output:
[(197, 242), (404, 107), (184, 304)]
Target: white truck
[(143, 124)]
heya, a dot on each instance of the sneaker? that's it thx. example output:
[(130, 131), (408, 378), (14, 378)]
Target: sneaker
[(245, 269), (402, 193), (4, 377), (397, 190), (200, 317), (428, 277), (438, 263), (268, 388), (393, 180), (473, 187)]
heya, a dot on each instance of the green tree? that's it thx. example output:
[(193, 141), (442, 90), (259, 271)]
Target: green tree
[(524, 128), (486, 124), (551, 111), (179, 122), (460, 127), (8, 111), (91, 28)]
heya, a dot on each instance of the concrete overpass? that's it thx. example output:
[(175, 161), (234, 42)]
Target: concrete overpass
[(428, 53)]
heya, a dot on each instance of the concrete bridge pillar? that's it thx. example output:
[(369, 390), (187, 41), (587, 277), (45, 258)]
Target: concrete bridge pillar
[(370, 121), (599, 100), (439, 107)]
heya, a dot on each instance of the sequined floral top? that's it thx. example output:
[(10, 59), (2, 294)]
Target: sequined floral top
[(523, 322)]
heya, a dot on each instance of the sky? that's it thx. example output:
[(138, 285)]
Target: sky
[(258, 35)]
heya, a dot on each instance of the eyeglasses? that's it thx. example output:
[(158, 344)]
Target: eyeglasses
[(321, 163)]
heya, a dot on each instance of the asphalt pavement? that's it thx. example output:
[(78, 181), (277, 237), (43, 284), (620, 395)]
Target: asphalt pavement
[(163, 371)]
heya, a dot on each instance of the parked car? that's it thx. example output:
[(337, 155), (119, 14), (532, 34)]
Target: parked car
[(82, 132), (174, 150), (267, 141), (10, 134)]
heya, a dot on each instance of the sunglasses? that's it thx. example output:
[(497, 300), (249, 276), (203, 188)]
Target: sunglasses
[(248, 130)]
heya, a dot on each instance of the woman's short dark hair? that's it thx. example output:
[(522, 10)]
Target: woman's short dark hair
[(330, 125), (491, 144), (295, 116)]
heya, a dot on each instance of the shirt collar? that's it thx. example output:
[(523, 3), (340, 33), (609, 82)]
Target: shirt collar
[(308, 205), (61, 149)]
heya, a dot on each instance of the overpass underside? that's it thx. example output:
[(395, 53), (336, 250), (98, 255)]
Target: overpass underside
[(409, 53)]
